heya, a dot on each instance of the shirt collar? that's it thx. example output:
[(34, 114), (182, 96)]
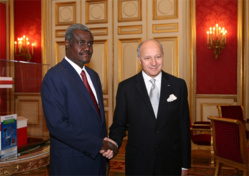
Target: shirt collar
[(148, 78), (75, 66)]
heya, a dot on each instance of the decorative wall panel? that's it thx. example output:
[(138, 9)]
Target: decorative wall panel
[(65, 13), (170, 48), (164, 28), (99, 31), (165, 9), (60, 33), (60, 51), (29, 109), (207, 105), (30, 106), (105, 102), (122, 30), (128, 64), (129, 10), (99, 62), (96, 11), (118, 27)]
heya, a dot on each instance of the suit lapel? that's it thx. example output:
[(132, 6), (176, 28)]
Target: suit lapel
[(80, 84), (166, 90), (140, 85)]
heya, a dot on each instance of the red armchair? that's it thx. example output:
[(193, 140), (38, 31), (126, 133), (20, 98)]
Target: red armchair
[(201, 133), (234, 112), (230, 144)]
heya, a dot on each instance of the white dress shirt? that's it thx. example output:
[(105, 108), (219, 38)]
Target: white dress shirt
[(148, 84)]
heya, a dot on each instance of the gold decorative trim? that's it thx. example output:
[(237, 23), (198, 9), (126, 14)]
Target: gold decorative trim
[(120, 11), (60, 33), (240, 55), (166, 16), (216, 96), (103, 31), (137, 29), (192, 56), (44, 37), (96, 3), (57, 6), (164, 28)]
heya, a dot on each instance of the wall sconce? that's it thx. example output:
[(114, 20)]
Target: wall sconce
[(23, 47), (216, 39)]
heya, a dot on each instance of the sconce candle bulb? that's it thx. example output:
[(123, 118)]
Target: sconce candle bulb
[(216, 39), (23, 48)]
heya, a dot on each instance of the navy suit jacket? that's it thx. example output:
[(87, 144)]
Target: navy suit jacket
[(161, 145), (76, 130)]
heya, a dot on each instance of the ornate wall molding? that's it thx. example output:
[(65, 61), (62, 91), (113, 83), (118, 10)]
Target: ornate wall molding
[(165, 28), (96, 11), (129, 10), (65, 13), (165, 9), (123, 30)]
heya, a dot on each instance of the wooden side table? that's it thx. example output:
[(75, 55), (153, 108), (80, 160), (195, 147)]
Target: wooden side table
[(34, 157)]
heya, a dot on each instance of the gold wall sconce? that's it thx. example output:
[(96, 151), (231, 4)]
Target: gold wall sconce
[(216, 39), (23, 48)]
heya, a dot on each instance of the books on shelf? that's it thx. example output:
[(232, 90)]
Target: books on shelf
[(8, 135)]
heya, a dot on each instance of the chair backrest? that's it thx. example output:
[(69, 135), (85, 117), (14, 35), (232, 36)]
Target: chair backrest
[(200, 133), (232, 111), (229, 140)]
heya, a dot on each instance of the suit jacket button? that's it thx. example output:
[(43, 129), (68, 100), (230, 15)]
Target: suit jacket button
[(157, 131)]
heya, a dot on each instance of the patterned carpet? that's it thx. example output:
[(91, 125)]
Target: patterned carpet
[(200, 167), (117, 165)]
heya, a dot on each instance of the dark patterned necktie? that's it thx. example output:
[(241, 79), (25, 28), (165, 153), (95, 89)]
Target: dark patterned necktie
[(83, 75)]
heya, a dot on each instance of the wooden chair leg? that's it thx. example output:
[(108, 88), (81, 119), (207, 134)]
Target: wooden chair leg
[(217, 168), (237, 170), (246, 172)]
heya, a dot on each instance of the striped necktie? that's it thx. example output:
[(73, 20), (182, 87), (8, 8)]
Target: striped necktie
[(154, 96), (83, 75)]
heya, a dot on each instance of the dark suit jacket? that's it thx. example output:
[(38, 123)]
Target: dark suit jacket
[(161, 145), (76, 130)]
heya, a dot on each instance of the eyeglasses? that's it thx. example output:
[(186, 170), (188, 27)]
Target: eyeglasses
[(82, 43)]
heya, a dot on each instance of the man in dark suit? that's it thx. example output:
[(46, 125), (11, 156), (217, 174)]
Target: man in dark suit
[(73, 107), (156, 116)]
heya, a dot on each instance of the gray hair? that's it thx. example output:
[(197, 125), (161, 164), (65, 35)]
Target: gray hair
[(69, 35), (140, 45)]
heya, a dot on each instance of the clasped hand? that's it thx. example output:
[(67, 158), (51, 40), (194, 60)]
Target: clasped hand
[(109, 148)]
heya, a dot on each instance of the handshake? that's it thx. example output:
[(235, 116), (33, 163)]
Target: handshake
[(109, 148)]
